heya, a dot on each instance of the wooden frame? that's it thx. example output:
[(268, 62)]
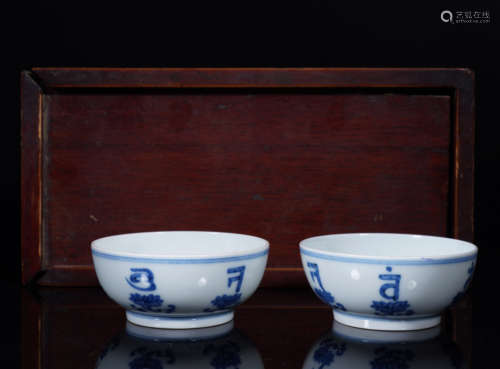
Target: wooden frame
[(38, 84)]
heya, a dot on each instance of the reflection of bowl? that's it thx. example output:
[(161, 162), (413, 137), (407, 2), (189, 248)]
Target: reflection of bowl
[(195, 334), (180, 279), (347, 333), (155, 351), (353, 348), (388, 281)]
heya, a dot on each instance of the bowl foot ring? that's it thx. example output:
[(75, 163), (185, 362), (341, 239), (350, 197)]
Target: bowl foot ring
[(180, 322), (386, 324)]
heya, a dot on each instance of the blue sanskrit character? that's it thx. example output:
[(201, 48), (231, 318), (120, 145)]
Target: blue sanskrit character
[(390, 286), (390, 291), (240, 271), (141, 279), (227, 301), (320, 291)]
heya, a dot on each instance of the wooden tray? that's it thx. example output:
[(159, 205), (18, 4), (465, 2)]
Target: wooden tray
[(283, 154)]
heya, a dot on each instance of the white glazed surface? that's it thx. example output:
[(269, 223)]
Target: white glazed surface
[(165, 275), (180, 244), (394, 281)]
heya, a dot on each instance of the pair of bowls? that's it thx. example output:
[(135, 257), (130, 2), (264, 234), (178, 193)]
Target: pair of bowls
[(190, 279)]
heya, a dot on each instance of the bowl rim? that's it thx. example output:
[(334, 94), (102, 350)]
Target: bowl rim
[(449, 258), (196, 258)]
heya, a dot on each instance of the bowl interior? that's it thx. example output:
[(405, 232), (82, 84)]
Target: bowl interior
[(372, 245), (180, 244)]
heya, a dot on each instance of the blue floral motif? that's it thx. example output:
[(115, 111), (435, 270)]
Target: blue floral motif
[(227, 355), (149, 303), (146, 302), (321, 292), (145, 362), (391, 359), (339, 306), (327, 351), (324, 295), (327, 298), (150, 359), (392, 308), (460, 295), (224, 301)]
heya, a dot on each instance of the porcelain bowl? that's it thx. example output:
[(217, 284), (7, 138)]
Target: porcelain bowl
[(179, 279), (387, 281)]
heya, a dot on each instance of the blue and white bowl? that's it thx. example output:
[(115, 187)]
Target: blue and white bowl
[(180, 279), (387, 281)]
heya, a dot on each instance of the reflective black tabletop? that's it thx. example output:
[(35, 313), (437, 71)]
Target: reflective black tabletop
[(276, 328)]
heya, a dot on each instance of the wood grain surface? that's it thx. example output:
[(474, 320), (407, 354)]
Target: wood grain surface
[(281, 154)]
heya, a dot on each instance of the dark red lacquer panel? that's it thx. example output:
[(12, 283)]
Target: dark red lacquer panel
[(281, 153), (283, 166)]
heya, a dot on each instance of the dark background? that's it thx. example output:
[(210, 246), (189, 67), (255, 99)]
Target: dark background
[(254, 34)]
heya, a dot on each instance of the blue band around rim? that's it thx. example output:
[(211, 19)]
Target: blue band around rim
[(421, 261), (180, 260)]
